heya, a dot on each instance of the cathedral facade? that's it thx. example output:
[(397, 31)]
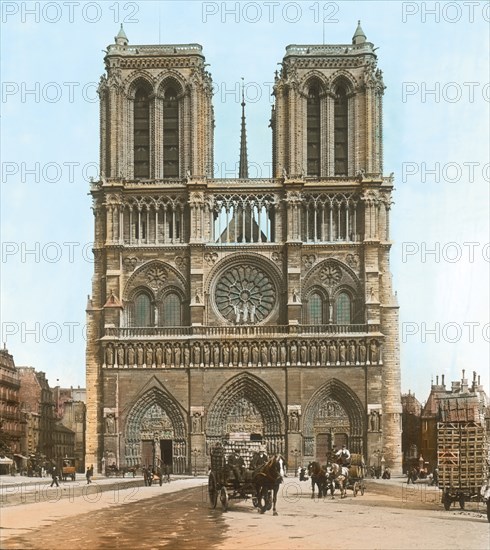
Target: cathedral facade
[(242, 311)]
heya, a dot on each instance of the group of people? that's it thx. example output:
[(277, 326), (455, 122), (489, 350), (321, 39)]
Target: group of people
[(237, 463)]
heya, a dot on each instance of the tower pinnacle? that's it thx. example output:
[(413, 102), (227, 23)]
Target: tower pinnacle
[(359, 36), (243, 167), (121, 38)]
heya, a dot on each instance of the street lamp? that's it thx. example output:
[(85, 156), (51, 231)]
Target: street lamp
[(195, 454), (295, 453)]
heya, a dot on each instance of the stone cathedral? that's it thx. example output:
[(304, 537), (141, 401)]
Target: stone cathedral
[(242, 311)]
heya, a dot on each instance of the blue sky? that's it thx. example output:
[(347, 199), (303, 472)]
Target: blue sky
[(436, 140)]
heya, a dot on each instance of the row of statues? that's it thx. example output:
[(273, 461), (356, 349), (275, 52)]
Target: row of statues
[(281, 353)]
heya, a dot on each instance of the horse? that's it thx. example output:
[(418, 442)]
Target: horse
[(319, 478), (267, 479), (340, 475)]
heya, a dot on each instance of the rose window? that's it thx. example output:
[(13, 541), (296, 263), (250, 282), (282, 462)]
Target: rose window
[(245, 295), (330, 275)]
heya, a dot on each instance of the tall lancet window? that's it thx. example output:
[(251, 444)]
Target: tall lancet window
[(341, 133), (170, 134), (313, 131), (141, 134)]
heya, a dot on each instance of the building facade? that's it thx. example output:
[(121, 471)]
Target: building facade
[(244, 310), (11, 419)]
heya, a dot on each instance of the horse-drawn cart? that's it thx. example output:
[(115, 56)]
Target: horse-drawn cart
[(260, 484), (357, 471), (222, 484)]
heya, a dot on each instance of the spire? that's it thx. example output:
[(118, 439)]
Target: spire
[(243, 168), (121, 38), (359, 36)]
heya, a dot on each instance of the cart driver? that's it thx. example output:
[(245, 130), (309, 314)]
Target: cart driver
[(237, 465), (344, 456), (259, 459)]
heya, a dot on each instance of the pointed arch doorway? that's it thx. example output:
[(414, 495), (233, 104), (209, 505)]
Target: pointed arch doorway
[(156, 433)]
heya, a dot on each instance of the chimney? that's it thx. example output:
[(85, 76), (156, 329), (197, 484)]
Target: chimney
[(437, 380), (443, 383)]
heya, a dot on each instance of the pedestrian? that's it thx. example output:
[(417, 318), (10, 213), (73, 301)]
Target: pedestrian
[(89, 474), (54, 476)]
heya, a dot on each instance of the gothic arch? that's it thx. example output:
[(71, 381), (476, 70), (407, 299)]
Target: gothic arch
[(169, 275), (348, 277), (259, 394), (311, 78), (171, 78), (344, 78), (136, 80), (153, 396), (341, 393)]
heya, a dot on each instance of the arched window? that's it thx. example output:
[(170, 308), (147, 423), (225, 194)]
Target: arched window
[(313, 131), (142, 310), (315, 309), (341, 131), (170, 134), (141, 134), (343, 309), (172, 310)]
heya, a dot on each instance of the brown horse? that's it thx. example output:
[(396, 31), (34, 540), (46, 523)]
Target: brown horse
[(319, 477), (267, 479)]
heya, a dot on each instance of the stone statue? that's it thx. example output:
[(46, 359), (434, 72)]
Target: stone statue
[(207, 354), (330, 313), (158, 356), (245, 312), (140, 352), (323, 353), (264, 354), (352, 352), (130, 356), (255, 354), (274, 353), (313, 353), (362, 352), (226, 354), (109, 356), (120, 355), (177, 354), (245, 352), (332, 353), (187, 355), (294, 421), (237, 314), (235, 354), (110, 424), (197, 354), (294, 353), (197, 423), (216, 354), (252, 314), (342, 350), (373, 350), (303, 353), (149, 355), (374, 420), (282, 353), (168, 355)]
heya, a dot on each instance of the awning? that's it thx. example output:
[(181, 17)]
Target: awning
[(6, 460)]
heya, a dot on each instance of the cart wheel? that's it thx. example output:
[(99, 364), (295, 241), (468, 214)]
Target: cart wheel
[(268, 502), (461, 502), (447, 501), (355, 488), (212, 490), (223, 496)]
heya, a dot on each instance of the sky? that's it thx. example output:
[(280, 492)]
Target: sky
[(435, 62)]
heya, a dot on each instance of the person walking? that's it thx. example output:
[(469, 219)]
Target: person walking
[(54, 476), (89, 473)]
